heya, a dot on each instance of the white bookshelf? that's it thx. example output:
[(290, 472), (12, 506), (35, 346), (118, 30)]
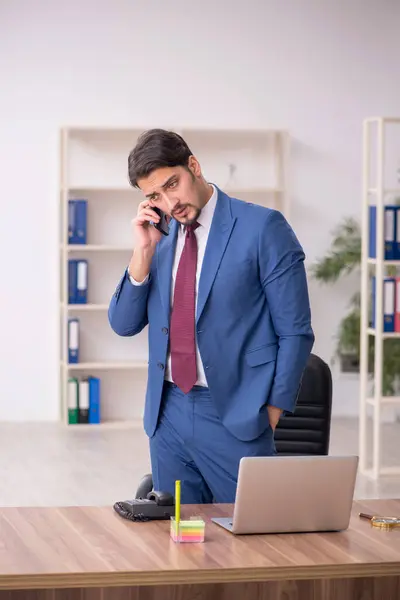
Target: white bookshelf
[(248, 164), (381, 186)]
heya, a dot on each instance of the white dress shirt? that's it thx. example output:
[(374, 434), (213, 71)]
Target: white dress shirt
[(201, 233)]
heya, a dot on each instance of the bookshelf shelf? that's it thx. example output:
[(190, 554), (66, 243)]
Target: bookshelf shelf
[(389, 471), (384, 191), (386, 263), (251, 164), (124, 189), (86, 307), (97, 248), (94, 366), (116, 425), (385, 400), (384, 334), (381, 176)]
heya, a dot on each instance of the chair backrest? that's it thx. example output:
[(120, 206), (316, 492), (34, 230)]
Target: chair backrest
[(307, 431)]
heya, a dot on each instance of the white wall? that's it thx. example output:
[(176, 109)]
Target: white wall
[(314, 67)]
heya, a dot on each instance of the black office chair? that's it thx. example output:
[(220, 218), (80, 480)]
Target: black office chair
[(307, 430)]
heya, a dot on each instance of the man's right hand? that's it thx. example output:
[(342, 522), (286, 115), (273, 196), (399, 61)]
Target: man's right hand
[(146, 240), (146, 235)]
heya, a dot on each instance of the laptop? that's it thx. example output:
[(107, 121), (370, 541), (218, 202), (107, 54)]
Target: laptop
[(292, 494)]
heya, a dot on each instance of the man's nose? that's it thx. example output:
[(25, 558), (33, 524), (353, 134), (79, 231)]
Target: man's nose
[(172, 203)]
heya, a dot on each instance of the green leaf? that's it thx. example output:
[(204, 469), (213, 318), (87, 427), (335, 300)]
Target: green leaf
[(344, 255)]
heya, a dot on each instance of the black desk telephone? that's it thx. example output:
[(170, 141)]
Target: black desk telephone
[(149, 506)]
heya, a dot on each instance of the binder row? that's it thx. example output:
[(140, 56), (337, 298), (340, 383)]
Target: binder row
[(391, 232), (391, 304), (83, 400), (77, 221), (83, 393), (77, 268)]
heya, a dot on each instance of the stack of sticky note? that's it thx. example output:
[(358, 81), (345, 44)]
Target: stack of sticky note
[(188, 530)]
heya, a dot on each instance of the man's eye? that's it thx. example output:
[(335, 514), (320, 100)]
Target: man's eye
[(172, 184)]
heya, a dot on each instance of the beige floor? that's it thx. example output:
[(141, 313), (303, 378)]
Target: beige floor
[(48, 464)]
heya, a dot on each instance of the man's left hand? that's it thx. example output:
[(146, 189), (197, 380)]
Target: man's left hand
[(274, 414)]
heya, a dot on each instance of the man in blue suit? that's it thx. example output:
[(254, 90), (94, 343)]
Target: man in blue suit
[(225, 299)]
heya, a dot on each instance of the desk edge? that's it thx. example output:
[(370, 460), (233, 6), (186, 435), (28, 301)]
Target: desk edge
[(151, 578)]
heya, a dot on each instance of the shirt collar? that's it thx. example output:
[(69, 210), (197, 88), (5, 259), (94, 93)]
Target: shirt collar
[(207, 212)]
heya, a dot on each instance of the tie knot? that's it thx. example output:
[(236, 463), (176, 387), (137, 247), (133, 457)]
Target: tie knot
[(192, 227)]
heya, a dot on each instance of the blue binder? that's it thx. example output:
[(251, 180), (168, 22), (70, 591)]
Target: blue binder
[(71, 221), (389, 298), (397, 237), (81, 282), (73, 340), (390, 229), (94, 400), (77, 221), (77, 281), (389, 303), (72, 280), (372, 305)]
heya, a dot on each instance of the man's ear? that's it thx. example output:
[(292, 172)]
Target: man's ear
[(194, 166)]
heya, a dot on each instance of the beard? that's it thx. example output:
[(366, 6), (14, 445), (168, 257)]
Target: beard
[(194, 210)]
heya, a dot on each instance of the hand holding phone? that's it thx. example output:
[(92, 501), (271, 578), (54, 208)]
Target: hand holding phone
[(147, 226), (146, 238), (162, 224)]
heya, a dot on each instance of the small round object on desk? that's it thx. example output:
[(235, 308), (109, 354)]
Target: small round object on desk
[(385, 522)]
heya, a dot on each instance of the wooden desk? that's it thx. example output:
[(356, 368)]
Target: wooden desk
[(90, 553)]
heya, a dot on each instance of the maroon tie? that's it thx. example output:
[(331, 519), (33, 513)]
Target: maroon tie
[(182, 336)]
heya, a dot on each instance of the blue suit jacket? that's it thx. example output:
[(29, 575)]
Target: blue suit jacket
[(253, 315)]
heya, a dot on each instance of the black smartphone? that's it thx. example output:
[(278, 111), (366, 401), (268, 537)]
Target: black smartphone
[(162, 225)]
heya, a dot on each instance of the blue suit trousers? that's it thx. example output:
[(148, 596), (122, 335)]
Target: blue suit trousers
[(191, 444)]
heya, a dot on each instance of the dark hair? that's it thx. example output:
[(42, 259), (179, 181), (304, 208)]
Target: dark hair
[(155, 149)]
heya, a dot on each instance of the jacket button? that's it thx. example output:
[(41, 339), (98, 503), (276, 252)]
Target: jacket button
[(160, 365), (165, 330)]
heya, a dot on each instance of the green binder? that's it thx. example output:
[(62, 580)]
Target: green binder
[(73, 400)]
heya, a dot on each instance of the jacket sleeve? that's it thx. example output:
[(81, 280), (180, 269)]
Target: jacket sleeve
[(127, 312), (283, 277)]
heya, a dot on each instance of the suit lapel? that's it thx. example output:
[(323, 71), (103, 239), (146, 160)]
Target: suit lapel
[(220, 231), (165, 259)]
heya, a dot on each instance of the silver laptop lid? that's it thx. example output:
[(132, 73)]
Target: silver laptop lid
[(294, 494)]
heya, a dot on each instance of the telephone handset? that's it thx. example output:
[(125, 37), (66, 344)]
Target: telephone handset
[(155, 506), (162, 225)]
